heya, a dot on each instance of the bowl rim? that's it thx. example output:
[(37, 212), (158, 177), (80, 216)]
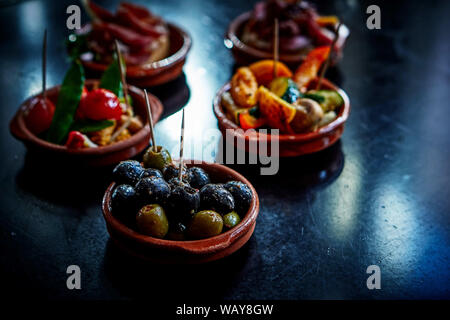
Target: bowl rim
[(18, 122), (137, 71), (232, 35), (198, 247), (283, 137)]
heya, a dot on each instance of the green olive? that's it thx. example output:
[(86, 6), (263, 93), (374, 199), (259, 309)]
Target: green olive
[(157, 160), (231, 219), (205, 224), (151, 220)]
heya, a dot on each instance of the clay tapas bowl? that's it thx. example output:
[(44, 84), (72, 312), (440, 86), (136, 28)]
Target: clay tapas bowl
[(245, 54), (190, 251), (154, 73), (291, 145), (99, 156)]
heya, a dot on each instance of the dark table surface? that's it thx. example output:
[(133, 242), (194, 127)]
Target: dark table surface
[(379, 196)]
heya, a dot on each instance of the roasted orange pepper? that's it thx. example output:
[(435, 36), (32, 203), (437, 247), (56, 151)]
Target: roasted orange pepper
[(309, 69)]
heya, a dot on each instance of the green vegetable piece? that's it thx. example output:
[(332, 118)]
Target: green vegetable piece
[(329, 100), (85, 126), (68, 100), (316, 97), (231, 220), (286, 89), (111, 79)]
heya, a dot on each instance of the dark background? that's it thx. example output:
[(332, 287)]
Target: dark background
[(379, 196)]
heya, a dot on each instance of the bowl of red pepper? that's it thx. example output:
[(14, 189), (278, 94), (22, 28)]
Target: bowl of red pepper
[(301, 29), (154, 51), (86, 122)]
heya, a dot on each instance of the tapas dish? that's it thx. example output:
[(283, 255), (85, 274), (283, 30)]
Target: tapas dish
[(168, 211), (301, 30), (308, 111), (96, 122), (153, 49)]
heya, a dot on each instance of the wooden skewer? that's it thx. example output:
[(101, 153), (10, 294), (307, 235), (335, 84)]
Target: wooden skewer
[(125, 95), (327, 62), (122, 73), (180, 173), (150, 120), (44, 65), (275, 49)]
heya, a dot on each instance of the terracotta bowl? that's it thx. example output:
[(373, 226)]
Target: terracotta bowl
[(245, 54), (192, 251), (158, 72), (100, 156), (291, 145)]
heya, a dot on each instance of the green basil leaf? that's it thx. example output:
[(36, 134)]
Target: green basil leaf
[(68, 100), (111, 79), (85, 126)]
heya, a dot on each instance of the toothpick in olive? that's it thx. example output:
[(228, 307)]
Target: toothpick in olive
[(157, 159)]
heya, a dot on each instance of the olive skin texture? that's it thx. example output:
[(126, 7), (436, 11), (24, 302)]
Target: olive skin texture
[(151, 172), (205, 224), (171, 171), (177, 232), (151, 220), (152, 190), (230, 220), (157, 160), (128, 172), (217, 198), (123, 202), (183, 202), (199, 178), (242, 195), (175, 182)]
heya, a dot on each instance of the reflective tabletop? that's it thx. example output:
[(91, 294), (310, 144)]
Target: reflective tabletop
[(380, 196)]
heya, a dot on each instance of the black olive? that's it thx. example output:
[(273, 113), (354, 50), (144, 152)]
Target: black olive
[(171, 171), (123, 203), (183, 202), (128, 172), (199, 177), (150, 172), (152, 190), (176, 182), (217, 198), (242, 195), (177, 231)]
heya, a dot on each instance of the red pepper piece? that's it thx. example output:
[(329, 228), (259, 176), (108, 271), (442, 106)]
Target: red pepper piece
[(320, 37), (128, 18), (125, 35), (310, 67), (247, 121), (100, 12), (75, 140), (138, 11)]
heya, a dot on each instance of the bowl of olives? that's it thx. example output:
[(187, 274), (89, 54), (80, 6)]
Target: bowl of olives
[(153, 214)]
